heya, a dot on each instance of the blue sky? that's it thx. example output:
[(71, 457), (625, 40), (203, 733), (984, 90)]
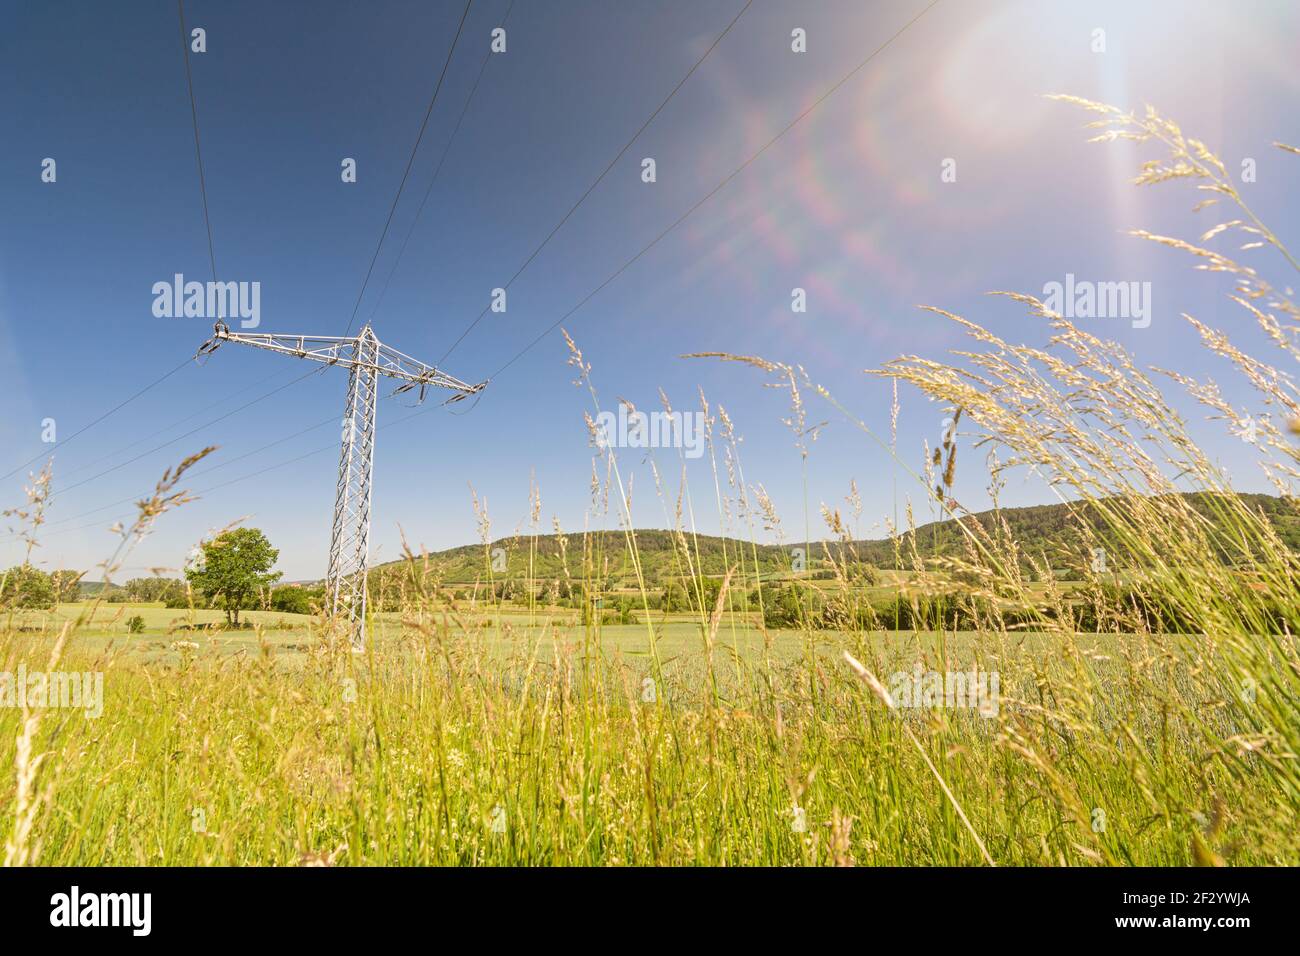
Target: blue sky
[(849, 205)]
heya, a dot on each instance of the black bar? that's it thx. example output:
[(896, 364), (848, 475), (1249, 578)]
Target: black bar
[(917, 907)]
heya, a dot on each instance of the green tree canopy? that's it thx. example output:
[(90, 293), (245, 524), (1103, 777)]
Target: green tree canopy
[(291, 599), (233, 568), (154, 589), (67, 585), (26, 587)]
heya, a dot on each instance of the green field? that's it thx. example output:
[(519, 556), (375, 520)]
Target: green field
[(272, 747), (288, 638)]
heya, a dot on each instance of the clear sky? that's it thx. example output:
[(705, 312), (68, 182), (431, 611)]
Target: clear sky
[(850, 206)]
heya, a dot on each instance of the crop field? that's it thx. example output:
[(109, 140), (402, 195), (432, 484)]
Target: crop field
[(742, 643)]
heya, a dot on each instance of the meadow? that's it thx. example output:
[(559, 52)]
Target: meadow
[(473, 732), (265, 748)]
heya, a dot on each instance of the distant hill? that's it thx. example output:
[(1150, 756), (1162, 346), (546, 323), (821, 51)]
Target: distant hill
[(93, 588), (1049, 531), (1053, 530)]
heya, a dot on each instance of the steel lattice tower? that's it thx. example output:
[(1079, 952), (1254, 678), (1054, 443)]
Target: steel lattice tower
[(365, 358)]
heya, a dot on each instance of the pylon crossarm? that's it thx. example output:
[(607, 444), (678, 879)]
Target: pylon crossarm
[(334, 350), (398, 365)]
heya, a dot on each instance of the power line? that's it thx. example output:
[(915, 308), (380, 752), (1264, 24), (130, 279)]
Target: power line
[(203, 471), (145, 454), (212, 261), (195, 474), (716, 189), (603, 174), (333, 446), (166, 428), (212, 257), (211, 248), (116, 408), (198, 149), (407, 172), (459, 120), (207, 221), (255, 474)]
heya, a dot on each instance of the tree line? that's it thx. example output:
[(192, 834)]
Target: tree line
[(232, 573)]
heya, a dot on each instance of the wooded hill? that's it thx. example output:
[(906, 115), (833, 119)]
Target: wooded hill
[(1052, 532)]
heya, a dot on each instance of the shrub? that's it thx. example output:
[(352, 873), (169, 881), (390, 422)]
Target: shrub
[(291, 600)]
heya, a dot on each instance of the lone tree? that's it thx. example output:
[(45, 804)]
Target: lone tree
[(233, 568)]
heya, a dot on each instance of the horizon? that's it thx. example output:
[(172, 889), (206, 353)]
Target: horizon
[(782, 545)]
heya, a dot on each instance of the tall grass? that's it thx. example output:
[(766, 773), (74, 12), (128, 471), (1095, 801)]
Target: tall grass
[(468, 735)]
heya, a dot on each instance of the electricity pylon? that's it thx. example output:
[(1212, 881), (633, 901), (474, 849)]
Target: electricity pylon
[(365, 358)]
